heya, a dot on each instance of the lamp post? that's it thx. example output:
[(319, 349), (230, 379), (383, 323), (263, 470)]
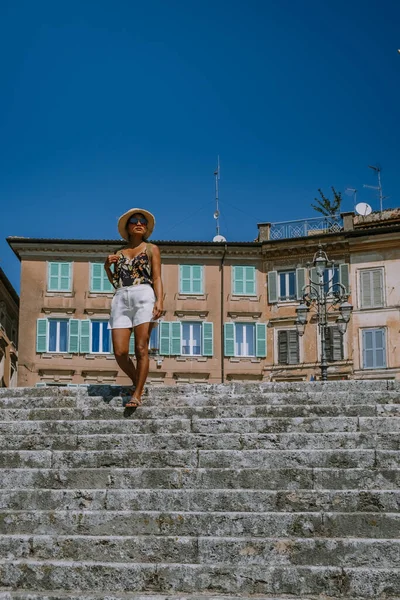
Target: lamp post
[(322, 295)]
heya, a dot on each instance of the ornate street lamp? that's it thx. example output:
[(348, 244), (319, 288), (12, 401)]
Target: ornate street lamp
[(316, 295)]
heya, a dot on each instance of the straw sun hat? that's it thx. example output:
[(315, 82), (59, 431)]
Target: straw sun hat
[(123, 221)]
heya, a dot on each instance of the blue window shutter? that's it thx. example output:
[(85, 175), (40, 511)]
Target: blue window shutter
[(41, 335), (73, 338), (165, 334), (208, 342), (229, 339), (185, 286), (53, 276), (300, 283), (84, 343), (197, 279), (96, 277), (314, 283), (344, 276), (261, 340), (272, 287), (238, 280), (250, 280), (176, 338), (132, 344), (65, 276)]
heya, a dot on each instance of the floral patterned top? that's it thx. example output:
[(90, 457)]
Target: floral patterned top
[(132, 271)]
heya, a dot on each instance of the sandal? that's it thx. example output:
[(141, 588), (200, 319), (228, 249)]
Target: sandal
[(133, 402)]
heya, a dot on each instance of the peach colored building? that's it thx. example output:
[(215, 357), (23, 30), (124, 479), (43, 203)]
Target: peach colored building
[(229, 308), (9, 306)]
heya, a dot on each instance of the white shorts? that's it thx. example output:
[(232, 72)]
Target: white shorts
[(132, 306)]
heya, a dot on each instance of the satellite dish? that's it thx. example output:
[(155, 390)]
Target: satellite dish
[(363, 209), (219, 238), (216, 214)]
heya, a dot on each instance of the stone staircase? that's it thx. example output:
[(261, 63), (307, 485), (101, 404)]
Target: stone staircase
[(226, 491)]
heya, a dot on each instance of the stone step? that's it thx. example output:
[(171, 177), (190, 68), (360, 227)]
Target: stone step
[(107, 412), (51, 427), (242, 459), (221, 579), (189, 441), (58, 595), (193, 500), (225, 524), (197, 478), (205, 550), (170, 399)]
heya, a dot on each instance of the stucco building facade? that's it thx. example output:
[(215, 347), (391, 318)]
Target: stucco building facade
[(229, 308), (9, 314)]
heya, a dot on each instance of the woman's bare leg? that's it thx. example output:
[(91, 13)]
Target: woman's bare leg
[(142, 335), (120, 339)]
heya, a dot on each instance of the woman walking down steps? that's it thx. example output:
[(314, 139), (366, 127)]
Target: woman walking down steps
[(138, 300)]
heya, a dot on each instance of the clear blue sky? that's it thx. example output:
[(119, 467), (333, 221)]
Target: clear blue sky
[(109, 105)]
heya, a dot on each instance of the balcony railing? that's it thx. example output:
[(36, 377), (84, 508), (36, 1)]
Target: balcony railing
[(305, 227)]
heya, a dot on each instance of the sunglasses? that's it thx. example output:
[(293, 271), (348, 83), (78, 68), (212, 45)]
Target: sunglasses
[(136, 221)]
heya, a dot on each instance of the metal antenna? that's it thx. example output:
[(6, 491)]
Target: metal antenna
[(217, 177), (377, 169), (352, 192)]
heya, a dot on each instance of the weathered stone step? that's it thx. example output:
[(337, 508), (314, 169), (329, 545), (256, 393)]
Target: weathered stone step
[(161, 577), (278, 524), (242, 459), (202, 500), (51, 428), (214, 441), (171, 399), (153, 478), (205, 550), (107, 412), (57, 595)]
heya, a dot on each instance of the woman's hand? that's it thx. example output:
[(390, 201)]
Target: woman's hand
[(111, 258), (158, 309)]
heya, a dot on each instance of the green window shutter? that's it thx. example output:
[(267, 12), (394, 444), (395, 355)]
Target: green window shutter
[(377, 288), (165, 334), (208, 342), (65, 276), (344, 278), (132, 344), (273, 287), (41, 335), (229, 339), (96, 278), (337, 344), (238, 280), (300, 283), (176, 338), (53, 280), (261, 340), (185, 286), (84, 338), (249, 280), (73, 337), (197, 279), (366, 289), (283, 357), (293, 344)]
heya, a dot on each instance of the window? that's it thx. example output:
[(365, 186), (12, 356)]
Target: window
[(331, 280), (59, 277), (154, 340), (191, 279), (288, 347), (191, 339), (58, 335), (371, 284), (244, 281), (98, 279), (100, 337), (333, 343), (374, 348), (287, 285), (245, 339)]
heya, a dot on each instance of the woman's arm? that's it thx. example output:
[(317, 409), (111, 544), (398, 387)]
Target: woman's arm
[(111, 259), (157, 283)]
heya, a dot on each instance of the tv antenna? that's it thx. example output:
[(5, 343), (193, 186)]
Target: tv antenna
[(218, 237), (352, 192), (377, 169)]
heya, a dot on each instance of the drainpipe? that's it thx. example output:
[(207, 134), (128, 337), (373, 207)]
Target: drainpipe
[(222, 315)]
